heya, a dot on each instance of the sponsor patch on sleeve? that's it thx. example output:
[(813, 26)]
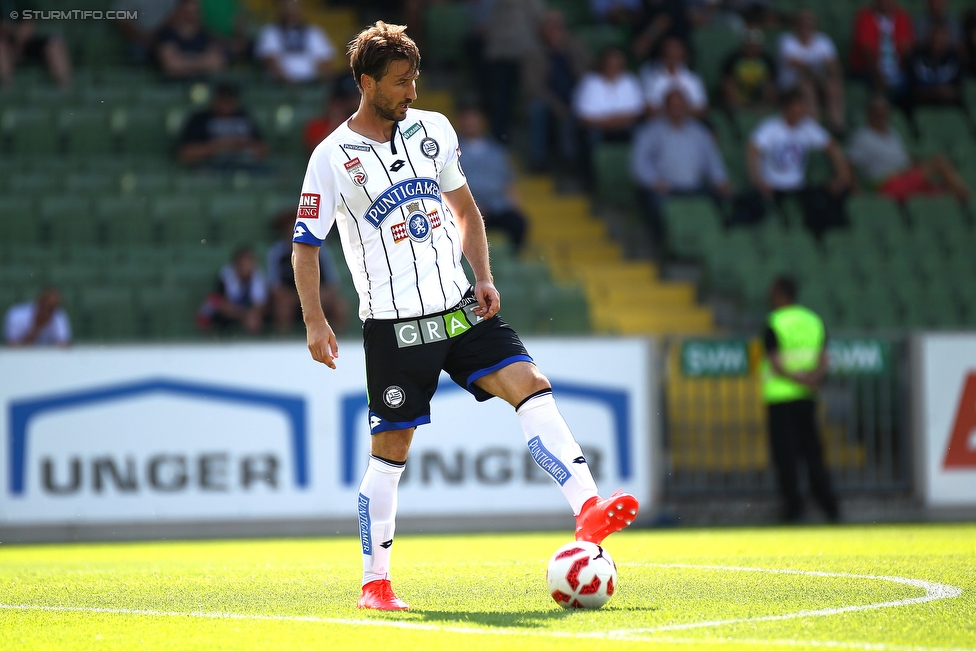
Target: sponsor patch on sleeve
[(308, 206)]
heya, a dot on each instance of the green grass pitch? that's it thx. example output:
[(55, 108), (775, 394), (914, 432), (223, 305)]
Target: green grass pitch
[(683, 589)]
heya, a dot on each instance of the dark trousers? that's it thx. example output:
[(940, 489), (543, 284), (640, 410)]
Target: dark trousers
[(511, 222), (793, 437)]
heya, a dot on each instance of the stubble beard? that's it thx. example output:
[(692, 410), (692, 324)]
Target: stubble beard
[(381, 110)]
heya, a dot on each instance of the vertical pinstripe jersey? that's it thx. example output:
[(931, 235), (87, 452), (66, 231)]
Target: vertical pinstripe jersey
[(400, 240)]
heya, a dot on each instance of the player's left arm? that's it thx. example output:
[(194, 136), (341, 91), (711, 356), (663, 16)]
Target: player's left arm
[(474, 244)]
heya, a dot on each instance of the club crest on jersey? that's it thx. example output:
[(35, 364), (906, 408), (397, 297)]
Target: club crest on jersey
[(399, 194), (418, 226), (356, 172), (429, 148)]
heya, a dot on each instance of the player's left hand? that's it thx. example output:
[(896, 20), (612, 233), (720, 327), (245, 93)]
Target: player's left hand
[(489, 301)]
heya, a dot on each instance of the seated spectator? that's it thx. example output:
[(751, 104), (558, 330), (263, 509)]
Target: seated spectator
[(140, 32), (672, 72), (286, 309), (882, 39), (20, 42), (777, 163), (40, 322), (340, 107), (609, 102), (880, 157), (184, 49), (808, 60), (675, 154), (490, 177), (748, 75), (551, 75), (935, 71), (222, 136), (937, 12), (293, 51), (240, 298)]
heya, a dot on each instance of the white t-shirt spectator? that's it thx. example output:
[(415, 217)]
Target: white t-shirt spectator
[(20, 318), (658, 82), (299, 49), (784, 150), (816, 55), (598, 98)]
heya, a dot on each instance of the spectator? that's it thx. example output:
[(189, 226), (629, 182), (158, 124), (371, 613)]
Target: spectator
[(286, 309), (609, 102), (672, 71), (20, 42), (240, 298), (675, 154), (227, 21), (222, 136), (184, 49), (511, 33), (140, 32), (551, 76), (293, 51), (490, 177), (777, 162), (879, 155), (340, 107), (883, 37), (808, 60), (937, 12), (663, 19), (935, 71), (748, 75), (39, 322)]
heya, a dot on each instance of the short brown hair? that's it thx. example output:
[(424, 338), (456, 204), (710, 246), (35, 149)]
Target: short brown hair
[(374, 48)]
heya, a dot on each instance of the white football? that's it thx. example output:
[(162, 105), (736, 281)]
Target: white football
[(581, 575)]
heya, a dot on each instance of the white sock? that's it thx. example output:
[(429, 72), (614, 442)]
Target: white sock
[(377, 515), (555, 450)]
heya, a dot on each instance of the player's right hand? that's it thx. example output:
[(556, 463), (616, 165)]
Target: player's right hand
[(322, 343)]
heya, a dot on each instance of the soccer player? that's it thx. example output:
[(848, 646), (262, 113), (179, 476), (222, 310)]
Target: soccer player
[(389, 177)]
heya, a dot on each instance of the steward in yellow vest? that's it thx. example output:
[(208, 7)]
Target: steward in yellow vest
[(794, 367)]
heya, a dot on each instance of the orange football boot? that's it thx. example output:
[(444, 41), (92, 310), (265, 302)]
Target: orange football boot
[(378, 595), (601, 517)]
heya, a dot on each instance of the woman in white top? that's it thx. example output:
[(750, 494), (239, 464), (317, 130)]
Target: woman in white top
[(808, 61)]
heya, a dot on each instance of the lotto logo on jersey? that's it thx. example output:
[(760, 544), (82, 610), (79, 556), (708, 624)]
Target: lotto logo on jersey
[(308, 206), (356, 172)]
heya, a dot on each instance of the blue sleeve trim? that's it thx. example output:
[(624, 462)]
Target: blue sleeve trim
[(477, 375), (306, 238), (383, 425)]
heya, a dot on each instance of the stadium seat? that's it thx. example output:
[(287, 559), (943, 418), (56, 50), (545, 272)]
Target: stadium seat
[(940, 214), (597, 38), (180, 219), (108, 313), (611, 166), (143, 130), (69, 220), (711, 44), (29, 132), (453, 24), (689, 221), (87, 130), (236, 218), (125, 220), (942, 125), (167, 313), (873, 214)]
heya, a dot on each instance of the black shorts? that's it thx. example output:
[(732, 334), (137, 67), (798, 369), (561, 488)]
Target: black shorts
[(405, 357)]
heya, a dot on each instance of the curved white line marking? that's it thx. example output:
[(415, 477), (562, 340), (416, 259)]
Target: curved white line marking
[(933, 592)]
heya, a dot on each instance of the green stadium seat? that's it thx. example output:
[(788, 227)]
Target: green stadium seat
[(92, 183), (167, 313), (87, 130), (237, 218), (108, 313), (565, 310), (125, 220), (203, 183), (611, 166), (941, 214), (52, 97), (689, 221), (597, 38), (180, 219), (69, 220), (942, 125), (873, 214), (29, 132), (33, 183), (143, 130), (272, 204), (73, 276), (453, 23), (712, 44), (157, 96)]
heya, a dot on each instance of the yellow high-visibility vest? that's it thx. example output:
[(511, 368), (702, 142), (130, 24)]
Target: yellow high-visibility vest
[(801, 335)]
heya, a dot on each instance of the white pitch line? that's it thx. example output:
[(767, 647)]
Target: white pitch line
[(933, 592)]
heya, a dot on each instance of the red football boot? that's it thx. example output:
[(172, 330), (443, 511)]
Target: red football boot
[(378, 595), (599, 517)]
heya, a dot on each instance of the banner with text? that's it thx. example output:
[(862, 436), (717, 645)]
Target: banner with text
[(948, 418), (260, 431)]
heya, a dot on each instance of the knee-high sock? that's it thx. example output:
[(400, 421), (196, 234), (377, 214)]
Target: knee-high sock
[(377, 515), (555, 450)]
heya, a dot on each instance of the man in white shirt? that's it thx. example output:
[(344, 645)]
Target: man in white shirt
[(608, 102), (39, 322), (777, 162), (672, 72), (292, 50), (405, 216), (808, 60)]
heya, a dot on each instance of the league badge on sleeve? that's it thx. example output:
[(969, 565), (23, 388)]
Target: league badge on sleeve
[(429, 148), (356, 172)]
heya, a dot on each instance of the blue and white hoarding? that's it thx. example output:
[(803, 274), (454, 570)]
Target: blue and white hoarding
[(245, 432)]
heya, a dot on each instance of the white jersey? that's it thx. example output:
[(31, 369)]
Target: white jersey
[(401, 242)]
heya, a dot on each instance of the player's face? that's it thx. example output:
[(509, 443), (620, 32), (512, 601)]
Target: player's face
[(394, 93)]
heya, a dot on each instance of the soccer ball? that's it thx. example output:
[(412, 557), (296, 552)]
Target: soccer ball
[(581, 575)]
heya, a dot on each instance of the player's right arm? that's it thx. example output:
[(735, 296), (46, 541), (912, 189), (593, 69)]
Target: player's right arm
[(321, 339), (316, 214)]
